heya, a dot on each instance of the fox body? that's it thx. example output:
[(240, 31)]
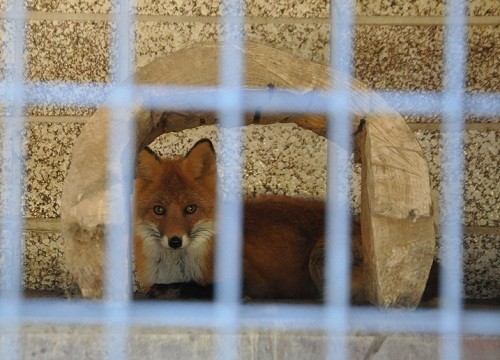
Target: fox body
[(283, 248)]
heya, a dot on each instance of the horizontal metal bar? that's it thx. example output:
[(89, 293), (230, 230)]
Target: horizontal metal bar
[(278, 100), (296, 316), (415, 123)]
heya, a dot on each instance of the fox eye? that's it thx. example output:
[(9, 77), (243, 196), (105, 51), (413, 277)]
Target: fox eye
[(190, 209), (159, 210)]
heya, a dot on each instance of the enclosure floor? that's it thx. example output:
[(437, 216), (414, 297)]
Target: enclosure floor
[(89, 341)]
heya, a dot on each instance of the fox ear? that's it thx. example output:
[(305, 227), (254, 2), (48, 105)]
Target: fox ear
[(200, 160), (147, 162)]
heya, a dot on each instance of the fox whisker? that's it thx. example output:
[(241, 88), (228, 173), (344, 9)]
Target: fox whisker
[(202, 232)]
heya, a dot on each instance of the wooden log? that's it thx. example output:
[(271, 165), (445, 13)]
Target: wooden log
[(396, 214), (398, 235)]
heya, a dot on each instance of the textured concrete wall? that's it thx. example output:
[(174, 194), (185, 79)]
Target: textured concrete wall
[(398, 45)]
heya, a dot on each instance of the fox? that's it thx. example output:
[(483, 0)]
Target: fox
[(283, 254)]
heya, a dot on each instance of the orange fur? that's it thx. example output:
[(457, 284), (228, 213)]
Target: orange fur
[(283, 250)]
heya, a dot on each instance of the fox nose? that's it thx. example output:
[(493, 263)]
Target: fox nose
[(175, 242)]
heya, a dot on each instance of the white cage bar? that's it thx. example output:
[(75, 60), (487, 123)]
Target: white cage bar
[(176, 97), (337, 288), (230, 100), (451, 278), (229, 202), (118, 284), (12, 186)]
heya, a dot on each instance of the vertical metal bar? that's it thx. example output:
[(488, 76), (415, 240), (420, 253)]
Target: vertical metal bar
[(121, 152), (453, 107), (338, 212), (12, 189), (229, 206)]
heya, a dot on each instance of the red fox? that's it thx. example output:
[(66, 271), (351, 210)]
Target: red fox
[(283, 248)]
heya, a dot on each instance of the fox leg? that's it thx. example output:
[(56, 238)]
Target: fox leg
[(357, 269), (317, 266), (357, 285), (317, 269)]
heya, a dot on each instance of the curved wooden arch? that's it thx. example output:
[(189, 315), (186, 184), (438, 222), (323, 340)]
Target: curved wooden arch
[(397, 226)]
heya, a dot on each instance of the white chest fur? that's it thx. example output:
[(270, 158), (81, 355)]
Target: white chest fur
[(167, 266)]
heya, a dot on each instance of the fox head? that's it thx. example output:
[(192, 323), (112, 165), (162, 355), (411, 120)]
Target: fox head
[(175, 198)]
